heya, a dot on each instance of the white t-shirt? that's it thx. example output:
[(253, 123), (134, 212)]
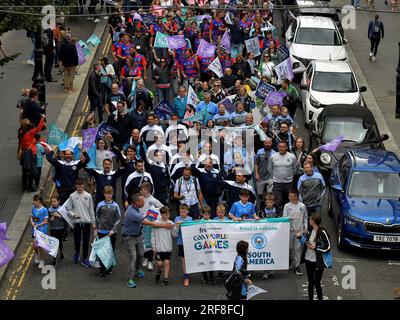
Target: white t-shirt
[(188, 190), (310, 254)]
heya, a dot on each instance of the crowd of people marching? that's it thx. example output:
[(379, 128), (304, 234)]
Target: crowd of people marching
[(184, 142)]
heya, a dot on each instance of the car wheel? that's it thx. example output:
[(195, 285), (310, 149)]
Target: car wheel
[(329, 205), (340, 241)]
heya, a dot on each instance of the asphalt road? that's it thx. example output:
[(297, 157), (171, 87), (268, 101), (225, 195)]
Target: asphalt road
[(376, 274)]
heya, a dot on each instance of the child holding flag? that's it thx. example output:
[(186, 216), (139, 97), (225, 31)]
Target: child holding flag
[(39, 219), (162, 241), (57, 225)]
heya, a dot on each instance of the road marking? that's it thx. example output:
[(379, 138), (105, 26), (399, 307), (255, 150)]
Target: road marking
[(343, 260), (393, 263), (105, 49)]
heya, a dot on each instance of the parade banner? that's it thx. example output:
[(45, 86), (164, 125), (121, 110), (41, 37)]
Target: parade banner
[(229, 106), (283, 53), (333, 144), (263, 89), (176, 42), (284, 70), (211, 246), (275, 98), (81, 54), (48, 243), (205, 49), (253, 45), (149, 19), (226, 41), (192, 99), (94, 40), (161, 40), (3, 231), (5, 254), (85, 47), (66, 212), (55, 135), (216, 67), (105, 128), (88, 137)]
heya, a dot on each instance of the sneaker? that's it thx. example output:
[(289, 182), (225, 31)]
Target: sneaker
[(96, 20), (89, 18), (150, 266), (130, 283), (37, 260), (298, 271), (374, 58), (41, 264), (186, 282), (370, 56), (165, 283), (76, 258), (86, 263), (140, 274), (145, 262), (265, 276), (31, 62), (158, 276), (105, 17)]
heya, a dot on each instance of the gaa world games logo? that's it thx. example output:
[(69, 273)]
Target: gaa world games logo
[(259, 241)]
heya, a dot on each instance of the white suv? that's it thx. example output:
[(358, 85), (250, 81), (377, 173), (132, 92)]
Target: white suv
[(311, 38), (328, 82)]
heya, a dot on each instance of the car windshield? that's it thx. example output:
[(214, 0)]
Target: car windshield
[(374, 185), (342, 82), (318, 36), (352, 129)]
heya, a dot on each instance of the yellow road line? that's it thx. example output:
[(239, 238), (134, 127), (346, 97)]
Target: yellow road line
[(26, 269), (107, 44)]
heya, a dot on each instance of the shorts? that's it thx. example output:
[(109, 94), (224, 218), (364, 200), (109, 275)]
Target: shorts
[(161, 256), (181, 253)]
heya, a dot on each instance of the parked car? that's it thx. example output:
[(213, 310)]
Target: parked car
[(328, 82), (356, 124), (365, 199), (311, 8), (314, 38)]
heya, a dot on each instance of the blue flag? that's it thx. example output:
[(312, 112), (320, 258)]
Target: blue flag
[(163, 110), (92, 154), (105, 128), (263, 89), (94, 40)]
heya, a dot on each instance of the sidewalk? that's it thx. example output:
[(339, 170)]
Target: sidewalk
[(17, 75), (380, 75)]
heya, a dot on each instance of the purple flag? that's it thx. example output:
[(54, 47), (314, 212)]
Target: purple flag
[(81, 54), (229, 106), (205, 49), (137, 16), (333, 144), (226, 41), (88, 137), (275, 98), (176, 42), (263, 89), (5, 254), (3, 231)]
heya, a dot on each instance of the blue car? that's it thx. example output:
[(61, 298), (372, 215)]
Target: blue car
[(364, 199)]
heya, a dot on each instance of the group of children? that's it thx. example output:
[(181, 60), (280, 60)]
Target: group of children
[(108, 216)]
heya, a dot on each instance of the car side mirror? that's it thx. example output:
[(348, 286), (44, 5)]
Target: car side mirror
[(304, 87), (345, 41), (363, 89), (384, 137), (337, 187)]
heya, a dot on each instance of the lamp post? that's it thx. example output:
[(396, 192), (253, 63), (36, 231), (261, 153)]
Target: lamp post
[(398, 88), (38, 78)]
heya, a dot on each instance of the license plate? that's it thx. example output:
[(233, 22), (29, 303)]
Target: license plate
[(386, 238)]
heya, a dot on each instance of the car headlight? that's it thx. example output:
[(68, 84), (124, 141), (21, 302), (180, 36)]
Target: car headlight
[(358, 102), (325, 158), (315, 103), (351, 220)]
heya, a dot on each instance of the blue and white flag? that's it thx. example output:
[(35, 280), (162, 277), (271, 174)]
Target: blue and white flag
[(161, 40), (263, 89), (163, 110), (105, 128), (94, 40)]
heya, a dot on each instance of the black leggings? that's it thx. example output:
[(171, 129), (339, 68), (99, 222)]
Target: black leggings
[(314, 276), (374, 45)]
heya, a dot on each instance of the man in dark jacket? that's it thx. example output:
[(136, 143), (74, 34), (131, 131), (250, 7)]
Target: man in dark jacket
[(32, 109), (49, 52), (123, 123), (69, 60), (237, 37), (375, 33), (139, 116), (94, 89)]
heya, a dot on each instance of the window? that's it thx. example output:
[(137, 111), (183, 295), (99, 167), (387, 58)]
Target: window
[(318, 36), (378, 185), (340, 82)]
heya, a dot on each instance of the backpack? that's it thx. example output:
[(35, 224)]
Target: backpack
[(180, 186)]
